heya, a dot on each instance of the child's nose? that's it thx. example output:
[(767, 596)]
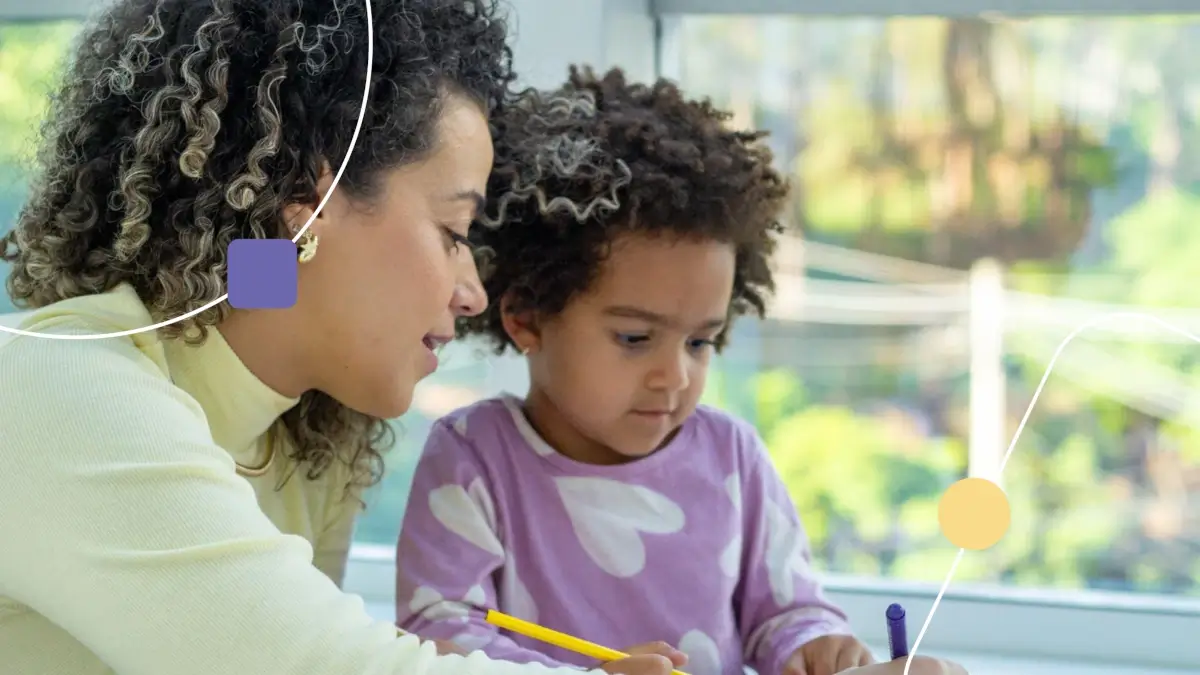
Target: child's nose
[(672, 373)]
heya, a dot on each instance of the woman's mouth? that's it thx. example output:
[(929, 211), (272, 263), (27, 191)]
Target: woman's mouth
[(433, 344)]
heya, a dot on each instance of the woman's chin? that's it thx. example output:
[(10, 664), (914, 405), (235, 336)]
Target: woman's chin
[(388, 400)]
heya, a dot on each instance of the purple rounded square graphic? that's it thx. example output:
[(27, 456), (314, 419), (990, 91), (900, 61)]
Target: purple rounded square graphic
[(262, 273)]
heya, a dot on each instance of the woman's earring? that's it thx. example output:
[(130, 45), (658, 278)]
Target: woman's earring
[(308, 246)]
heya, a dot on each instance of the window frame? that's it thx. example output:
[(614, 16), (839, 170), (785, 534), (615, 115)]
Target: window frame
[(1138, 631), (12, 11), (945, 8)]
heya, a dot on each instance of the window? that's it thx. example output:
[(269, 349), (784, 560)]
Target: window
[(1062, 148), (958, 178), (31, 54)]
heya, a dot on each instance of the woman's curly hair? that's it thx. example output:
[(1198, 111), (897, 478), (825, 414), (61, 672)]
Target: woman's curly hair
[(182, 125), (600, 158)]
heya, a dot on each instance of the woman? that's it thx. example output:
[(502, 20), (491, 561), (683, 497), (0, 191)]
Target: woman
[(180, 502)]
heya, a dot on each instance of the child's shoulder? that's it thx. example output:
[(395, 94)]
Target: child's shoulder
[(481, 419), (729, 431), (478, 435), (725, 426)]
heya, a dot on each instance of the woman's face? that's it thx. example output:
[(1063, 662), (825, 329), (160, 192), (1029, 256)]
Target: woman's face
[(389, 276)]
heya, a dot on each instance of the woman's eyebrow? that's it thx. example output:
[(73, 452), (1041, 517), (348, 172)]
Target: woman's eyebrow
[(468, 195)]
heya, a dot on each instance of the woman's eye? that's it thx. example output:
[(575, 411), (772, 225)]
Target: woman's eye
[(454, 240)]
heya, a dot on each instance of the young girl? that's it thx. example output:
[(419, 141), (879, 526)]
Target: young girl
[(607, 503)]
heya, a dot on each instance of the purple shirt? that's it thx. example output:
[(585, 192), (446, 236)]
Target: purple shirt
[(697, 545)]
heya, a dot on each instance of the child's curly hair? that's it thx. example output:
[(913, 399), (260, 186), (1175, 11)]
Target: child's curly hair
[(182, 125), (600, 158)]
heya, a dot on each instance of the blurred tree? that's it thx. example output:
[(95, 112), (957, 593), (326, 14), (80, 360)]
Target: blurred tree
[(1054, 144), (31, 57), (863, 488), (976, 168)]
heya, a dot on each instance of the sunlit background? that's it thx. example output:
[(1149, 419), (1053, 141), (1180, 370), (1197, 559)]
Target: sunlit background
[(967, 191), (958, 180)]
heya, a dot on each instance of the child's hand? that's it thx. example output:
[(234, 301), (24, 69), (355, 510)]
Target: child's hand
[(828, 655), (676, 657), (445, 647), (651, 658), (921, 665)]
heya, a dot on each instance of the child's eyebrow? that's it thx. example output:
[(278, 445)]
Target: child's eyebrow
[(628, 312)]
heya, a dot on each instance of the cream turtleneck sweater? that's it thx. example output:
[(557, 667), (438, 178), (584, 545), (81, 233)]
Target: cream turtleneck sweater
[(130, 545)]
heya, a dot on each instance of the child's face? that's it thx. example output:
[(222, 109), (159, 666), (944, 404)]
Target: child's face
[(622, 367)]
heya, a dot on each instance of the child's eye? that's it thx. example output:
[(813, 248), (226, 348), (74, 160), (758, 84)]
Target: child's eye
[(700, 344), (630, 339)]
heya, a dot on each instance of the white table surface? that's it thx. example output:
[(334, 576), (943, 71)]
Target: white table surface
[(976, 664)]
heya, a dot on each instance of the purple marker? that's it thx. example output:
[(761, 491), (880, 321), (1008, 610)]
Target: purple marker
[(897, 633)]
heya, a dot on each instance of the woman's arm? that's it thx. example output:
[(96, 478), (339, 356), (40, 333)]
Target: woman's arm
[(126, 526)]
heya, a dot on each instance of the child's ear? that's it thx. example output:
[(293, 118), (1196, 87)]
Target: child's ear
[(520, 324)]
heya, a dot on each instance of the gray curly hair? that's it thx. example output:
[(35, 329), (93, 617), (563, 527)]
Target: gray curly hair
[(601, 157), (523, 177), (182, 125)]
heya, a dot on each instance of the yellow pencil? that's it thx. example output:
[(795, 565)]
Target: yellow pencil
[(532, 630)]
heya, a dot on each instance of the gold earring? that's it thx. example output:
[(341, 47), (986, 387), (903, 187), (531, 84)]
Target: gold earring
[(308, 246)]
